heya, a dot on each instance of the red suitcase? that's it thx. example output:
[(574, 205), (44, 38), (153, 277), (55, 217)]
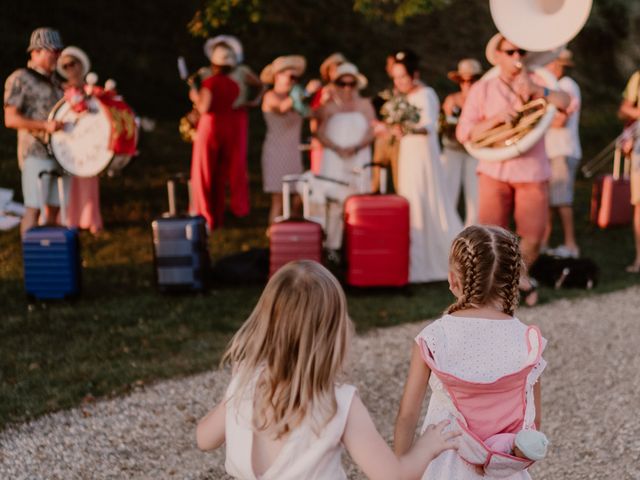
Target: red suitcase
[(611, 197), (377, 239), (294, 239)]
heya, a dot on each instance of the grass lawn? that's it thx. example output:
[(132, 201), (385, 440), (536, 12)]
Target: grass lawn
[(121, 334)]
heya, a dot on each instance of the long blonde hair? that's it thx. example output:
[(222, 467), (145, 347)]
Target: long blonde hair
[(487, 261), (297, 337)]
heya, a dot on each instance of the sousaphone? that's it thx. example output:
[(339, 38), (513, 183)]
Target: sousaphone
[(543, 28)]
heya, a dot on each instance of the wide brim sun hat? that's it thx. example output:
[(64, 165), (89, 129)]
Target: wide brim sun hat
[(345, 69), (297, 63), (229, 40), (468, 68), (79, 55), (531, 60), (45, 38), (333, 59), (223, 56)]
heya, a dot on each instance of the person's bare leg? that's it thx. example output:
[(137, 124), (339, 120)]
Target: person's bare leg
[(530, 252), (547, 230), (566, 217), (51, 215), (635, 266), (29, 219), (276, 207)]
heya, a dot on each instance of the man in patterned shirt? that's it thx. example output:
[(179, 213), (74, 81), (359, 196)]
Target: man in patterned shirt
[(29, 95)]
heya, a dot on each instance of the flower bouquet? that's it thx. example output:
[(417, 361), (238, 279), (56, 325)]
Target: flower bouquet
[(398, 111)]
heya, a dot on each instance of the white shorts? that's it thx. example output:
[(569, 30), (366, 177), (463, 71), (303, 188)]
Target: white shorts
[(563, 176), (33, 197)]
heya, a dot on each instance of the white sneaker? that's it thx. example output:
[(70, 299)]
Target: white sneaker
[(563, 251)]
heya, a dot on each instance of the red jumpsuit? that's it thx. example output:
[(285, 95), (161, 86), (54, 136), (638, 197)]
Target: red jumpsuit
[(212, 150)]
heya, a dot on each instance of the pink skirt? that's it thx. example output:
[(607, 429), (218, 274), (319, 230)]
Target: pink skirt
[(84, 204)]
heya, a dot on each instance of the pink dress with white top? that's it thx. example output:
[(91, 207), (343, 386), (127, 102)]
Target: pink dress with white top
[(475, 350)]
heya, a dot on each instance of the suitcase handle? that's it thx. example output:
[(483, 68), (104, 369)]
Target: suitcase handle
[(287, 180), (61, 198), (171, 191), (620, 168)]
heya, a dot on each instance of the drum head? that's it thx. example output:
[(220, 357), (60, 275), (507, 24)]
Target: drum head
[(82, 147)]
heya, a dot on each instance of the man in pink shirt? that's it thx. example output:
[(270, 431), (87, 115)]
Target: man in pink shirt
[(517, 186)]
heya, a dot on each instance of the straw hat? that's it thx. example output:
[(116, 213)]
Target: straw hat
[(297, 63), (345, 69), (223, 56), (532, 59), (333, 59), (45, 38), (467, 68), (79, 55), (229, 40)]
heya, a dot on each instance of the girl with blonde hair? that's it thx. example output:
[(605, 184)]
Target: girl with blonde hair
[(286, 414), (478, 345)]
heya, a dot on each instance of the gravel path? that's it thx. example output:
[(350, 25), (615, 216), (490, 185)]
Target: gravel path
[(591, 396)]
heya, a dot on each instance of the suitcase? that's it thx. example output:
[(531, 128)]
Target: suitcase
[(611, 197), (294, 239), (180, 249), (51, 255), (377, 238)]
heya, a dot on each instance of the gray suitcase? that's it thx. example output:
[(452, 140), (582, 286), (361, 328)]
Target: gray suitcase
[(180, 250)]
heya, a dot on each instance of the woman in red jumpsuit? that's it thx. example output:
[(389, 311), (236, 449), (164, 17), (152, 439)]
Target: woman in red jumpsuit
[(215, 137)]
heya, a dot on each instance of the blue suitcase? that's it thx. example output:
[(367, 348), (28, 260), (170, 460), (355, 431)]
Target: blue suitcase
[(51, 257), (180, 250)]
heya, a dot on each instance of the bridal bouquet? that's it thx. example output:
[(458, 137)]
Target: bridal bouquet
[(398, 111)]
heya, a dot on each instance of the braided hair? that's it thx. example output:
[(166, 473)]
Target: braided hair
[(488, 263)]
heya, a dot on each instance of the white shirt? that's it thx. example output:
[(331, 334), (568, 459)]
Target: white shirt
[(565, 141)]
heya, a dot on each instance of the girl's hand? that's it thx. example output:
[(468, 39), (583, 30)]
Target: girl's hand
[(435, 441)]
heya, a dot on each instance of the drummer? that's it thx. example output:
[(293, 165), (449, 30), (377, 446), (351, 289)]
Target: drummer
[(518, 186), (83, 210), (29, 95)]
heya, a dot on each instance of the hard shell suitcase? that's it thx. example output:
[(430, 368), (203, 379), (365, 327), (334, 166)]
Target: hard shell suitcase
[(377, 239), (611, 197), (51, 255), (294, 239), (181, 254)]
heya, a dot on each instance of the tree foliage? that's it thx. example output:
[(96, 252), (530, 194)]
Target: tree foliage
[(237, 15), (396, 10)]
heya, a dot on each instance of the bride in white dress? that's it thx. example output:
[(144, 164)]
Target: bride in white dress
[(434, 220), (345, 131)]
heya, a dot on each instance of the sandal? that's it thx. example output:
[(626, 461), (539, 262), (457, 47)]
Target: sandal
[(527, 293), (633, 268)]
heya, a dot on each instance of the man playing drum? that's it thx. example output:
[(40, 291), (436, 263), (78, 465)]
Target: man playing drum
[(519, 185), (29, 95)]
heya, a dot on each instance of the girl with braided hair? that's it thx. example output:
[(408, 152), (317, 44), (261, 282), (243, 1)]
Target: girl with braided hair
[(477, 346)]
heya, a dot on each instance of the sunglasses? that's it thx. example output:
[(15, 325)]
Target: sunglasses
[(341, 84), (512, 51), (467, 80), (68, 65)]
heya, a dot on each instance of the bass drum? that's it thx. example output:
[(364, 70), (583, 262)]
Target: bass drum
[(101, 138), (505, 141)]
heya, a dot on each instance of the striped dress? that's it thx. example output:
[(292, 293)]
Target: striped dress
[(280, 150)]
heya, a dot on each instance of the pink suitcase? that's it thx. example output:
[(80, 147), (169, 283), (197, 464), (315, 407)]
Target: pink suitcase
[(614, 207), (294, 239), (377, 239)]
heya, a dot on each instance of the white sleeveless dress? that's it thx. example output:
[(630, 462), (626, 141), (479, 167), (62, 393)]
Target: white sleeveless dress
[(304, 454), (434, 220)]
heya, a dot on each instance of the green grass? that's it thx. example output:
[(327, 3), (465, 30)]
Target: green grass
[(122, 334)]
